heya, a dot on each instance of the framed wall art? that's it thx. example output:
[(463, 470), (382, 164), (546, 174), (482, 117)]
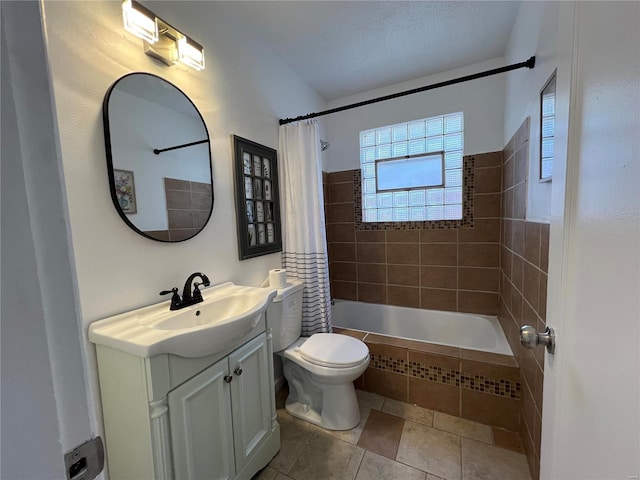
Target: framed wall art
[(125, 190), (257, 199)]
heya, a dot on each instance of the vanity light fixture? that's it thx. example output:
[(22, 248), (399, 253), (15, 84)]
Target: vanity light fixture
[(191, 53), (139, 21), (161, 40)]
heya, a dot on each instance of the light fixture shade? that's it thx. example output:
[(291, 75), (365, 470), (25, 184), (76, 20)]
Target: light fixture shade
[(139, 21), (191, 53)]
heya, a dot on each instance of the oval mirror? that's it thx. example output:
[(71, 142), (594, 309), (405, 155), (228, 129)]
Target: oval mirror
[(158, 158)]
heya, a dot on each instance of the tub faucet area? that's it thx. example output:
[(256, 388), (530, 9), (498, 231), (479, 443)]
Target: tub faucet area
[(188, 297)]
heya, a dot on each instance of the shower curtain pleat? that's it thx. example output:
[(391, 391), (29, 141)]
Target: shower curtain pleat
[(304, 241)]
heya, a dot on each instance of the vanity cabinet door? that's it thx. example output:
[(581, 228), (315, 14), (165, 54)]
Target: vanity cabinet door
[(201, 426), (251, 398)]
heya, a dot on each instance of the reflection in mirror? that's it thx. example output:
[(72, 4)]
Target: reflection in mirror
[(547, 128), (158, 158)]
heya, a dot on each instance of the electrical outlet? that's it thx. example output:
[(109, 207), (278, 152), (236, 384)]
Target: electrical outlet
[(86, 461)]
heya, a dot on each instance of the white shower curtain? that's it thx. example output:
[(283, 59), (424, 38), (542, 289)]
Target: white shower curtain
[(304, 240)]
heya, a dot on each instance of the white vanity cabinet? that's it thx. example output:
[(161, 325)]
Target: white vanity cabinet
[(170, 417), (221, 414)]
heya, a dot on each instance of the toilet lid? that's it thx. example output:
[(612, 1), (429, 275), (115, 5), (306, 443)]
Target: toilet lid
[(333, 350)]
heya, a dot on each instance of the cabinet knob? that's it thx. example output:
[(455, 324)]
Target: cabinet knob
[(238, 371), (228, 378)]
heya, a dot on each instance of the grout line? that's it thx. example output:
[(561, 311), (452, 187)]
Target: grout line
[(458, 280), (419, 281), (361, 460), (487, 193), (461, 459), (299, 454)]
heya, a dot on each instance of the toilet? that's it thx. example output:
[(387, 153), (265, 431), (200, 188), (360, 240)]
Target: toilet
[(320, 369)]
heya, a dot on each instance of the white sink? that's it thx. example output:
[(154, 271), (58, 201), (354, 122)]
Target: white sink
[(228, 313)]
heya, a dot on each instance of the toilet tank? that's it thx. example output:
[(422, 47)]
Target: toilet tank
[(284, 315)]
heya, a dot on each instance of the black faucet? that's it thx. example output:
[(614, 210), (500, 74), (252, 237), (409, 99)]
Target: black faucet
[(196, 296), (188, 298)]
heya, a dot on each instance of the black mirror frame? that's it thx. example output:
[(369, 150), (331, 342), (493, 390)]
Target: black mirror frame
[(245, 249), (109, 155)]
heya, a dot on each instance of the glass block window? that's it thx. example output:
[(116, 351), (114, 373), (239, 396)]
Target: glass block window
[(409, 173), (547, 128), (413, 171)]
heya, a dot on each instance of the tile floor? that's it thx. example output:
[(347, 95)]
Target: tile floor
[(395, 440)]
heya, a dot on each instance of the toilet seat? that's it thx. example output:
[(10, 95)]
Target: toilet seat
[(333, 350)]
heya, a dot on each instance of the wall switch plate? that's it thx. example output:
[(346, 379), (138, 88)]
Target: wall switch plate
[(86, 461)]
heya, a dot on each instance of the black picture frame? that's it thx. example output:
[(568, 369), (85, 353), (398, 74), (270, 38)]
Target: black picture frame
[(258, 215)]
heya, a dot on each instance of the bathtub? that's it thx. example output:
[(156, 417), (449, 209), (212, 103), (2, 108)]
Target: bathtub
[(462, 330)]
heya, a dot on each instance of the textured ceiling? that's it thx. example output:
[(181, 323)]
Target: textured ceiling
[(345, 47)]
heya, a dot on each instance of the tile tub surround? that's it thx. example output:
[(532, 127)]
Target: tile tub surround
[(188, 209), (524, 251), (473, 385), (455, 269), (441, 267), (396, 440)]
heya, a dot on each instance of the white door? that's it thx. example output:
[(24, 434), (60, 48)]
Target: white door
[(201, 429), (591, 414), (251, 398)]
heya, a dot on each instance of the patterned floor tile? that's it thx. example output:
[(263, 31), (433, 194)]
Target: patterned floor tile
[(488, 462), (377, 467), (267, 473), (327, 458), (396, 441), (381, 434), (431, 450), (294, 436), (408, 411), (463, 427)]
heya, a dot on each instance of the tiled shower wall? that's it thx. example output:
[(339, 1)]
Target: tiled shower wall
[(523, 288), (499, 266), (188, 209), (453, 269)]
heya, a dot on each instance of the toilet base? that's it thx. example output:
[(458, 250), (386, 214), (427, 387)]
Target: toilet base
[(334, 407), (324, 396)]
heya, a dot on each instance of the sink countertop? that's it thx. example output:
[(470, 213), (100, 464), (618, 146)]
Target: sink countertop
[(195, 331)]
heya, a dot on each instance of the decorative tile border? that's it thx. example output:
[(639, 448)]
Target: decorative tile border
[(389, 364), (446, 376), (468, 182), (435, 374)]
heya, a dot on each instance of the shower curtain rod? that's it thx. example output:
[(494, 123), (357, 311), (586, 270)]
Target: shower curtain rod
[(529, 64)]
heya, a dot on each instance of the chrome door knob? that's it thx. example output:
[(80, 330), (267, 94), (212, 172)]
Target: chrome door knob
[(530, 338)]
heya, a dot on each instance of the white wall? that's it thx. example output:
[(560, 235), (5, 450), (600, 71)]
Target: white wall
[(44, 401), (244, 90), (534, 33), (134, 135), (28, 401), (482, 102)]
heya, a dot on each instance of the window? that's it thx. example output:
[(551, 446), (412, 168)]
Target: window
[(547, 128), (410, 172), (413, 171)]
